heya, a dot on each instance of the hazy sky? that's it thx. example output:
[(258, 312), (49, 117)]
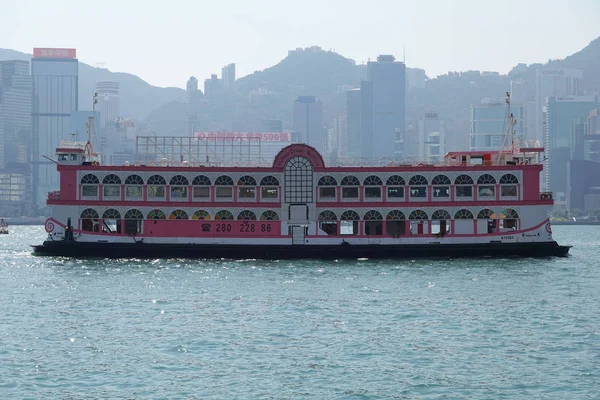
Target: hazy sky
[(165, 42)]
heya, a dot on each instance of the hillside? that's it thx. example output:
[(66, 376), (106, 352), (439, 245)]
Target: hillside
[(138, 98)]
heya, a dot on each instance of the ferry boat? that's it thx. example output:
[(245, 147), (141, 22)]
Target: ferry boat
[(472, 204)]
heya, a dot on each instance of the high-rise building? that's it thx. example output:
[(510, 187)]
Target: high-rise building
[(353, 112), (560, 113), (336, 139), (228, 75), (109, 101), (554, 82), (489, 124), (194, 105), (432, 138), (308, 122), (55, 75), (15, 138), (213, 88), (383, 107), (415, 78)]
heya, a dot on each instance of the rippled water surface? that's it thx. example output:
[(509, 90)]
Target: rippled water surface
[(455, 329)]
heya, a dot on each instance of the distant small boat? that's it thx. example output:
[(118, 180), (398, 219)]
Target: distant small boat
[(3, 227)]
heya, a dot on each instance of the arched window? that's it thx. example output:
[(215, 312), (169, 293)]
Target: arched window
[(464, 186), (464, 180), (418, 215), (89, 213), (328, 222), (90, 179), (441, 187), (395, 215), (486, 213), (133, 222), (269, 215), (327, 215), (327, 180), (373, 215), (509, 219), (246, 180), (418, 186), (509, 213), (156, 187), (223, 214), (156, 214), (89, 185), (327, 189), (201, 188), (486, 179), (111, 179), (350, 215), (373, 180), (395, 188), (246, 215), (350, 193), (134, 180), (508, 186), (111, 213), (269, 180), (298, 181), (440, 214), (134, 214), (247, 188), (201, 215), (89, 220), (463, 214), (395, 180), (178, 214), (201, 180), (224, 189), (111, 186), (134, 187), (350, 181), (111, 221), (440, 180), (179, 180), (224, 180), (508, 178), (156, 180)]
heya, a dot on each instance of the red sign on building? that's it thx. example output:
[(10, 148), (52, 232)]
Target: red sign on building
[(39, 52)]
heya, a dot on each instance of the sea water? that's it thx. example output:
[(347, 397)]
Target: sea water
[(203, 329)]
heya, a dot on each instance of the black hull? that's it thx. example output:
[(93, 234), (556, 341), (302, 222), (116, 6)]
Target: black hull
[(273, 252)]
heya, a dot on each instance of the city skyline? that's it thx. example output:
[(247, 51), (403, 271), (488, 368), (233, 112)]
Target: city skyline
[(454, 44)]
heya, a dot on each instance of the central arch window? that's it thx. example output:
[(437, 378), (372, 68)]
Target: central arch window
[(298, 181), (134, 186), (111, 221), (373, 223), (133, 222), (89, 185), (201, 188), (418, 186), (395, 224), (224, 187), (373, 186), (269, 188), (395, 188), (111, 186), (508, 185), (350, 186), (179, 188), (156, 187), (440, 186), (486, 186), (464, 187), (246, 188), (327, 185)]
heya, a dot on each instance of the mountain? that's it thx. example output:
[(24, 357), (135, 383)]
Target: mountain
[(138, 98)]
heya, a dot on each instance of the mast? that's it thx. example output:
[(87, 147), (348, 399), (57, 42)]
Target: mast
[(509, 134), (90, 155)]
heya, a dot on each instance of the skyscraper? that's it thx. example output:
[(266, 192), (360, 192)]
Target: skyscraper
[(554, 82), (383, 98), (228, 75), (15, 138), (308, 122), (109, 101), (560, 113), (353, 143), (55, 96)]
